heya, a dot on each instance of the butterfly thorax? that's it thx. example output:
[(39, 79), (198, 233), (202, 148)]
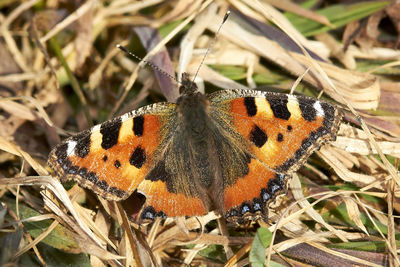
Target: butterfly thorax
[(193, 115)]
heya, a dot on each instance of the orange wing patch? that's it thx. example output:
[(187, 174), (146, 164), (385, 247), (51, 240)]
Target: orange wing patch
[(160, 202), (284, 129), (111, 159), (248, 197)]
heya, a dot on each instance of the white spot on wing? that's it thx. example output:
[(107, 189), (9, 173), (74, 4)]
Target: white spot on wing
[(319, 109), (292, 98), (96, 128), (125, 117), (71, 148)]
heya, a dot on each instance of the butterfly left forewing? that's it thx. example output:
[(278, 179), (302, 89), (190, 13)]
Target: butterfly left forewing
[(113, 158)]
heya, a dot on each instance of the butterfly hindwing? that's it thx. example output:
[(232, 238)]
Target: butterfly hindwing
[(248, 198)]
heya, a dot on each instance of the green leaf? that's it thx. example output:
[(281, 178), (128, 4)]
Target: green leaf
[(371, 246), (367, 65), (54, 257), (339, 215), (214, 252), (338, 15), (60, 237), (232, 72), (260, 243), (165, 29)]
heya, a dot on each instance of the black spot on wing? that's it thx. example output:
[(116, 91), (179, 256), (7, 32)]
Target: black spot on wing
[(280, 137), (138, 157), (250, 104), (82, 147), (110, 132), (82, 172), (117, 164), (72, 170), (265, 195), (66, 165), (149, 213), (257, 205), (289, 128), (245, 208), (138, 125), (278, 106), (258, 136), (275, 185), (307, 109)]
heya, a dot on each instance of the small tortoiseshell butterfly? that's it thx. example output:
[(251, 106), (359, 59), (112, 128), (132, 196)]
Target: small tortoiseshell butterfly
[(231, 151)]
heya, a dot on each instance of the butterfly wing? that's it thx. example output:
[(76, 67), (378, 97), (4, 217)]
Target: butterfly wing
[(125, 154), (113, 158), (281, 130)]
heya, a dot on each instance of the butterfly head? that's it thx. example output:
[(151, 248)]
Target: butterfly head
[(188, 87)]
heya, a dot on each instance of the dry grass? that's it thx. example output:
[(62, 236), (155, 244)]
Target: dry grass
[(60, 71)]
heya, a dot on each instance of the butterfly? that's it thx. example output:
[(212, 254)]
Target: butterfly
[(231, 152)]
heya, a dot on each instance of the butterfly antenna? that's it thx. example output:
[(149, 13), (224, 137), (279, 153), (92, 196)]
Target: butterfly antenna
[(155, 67), (212, 43)]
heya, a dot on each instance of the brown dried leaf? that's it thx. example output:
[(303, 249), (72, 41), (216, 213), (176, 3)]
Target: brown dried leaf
[(383, 124), (393, 12), (390, 98), (370, 33), (47, 19), (328, 155), (360, 89), (364, 32), (316, 256), (337, 51), (150, 38), (84, 39), (16, 150), (350, 32), (193, 34), (181, 9), (19, 110), (362, 146), (7, 66), (302, 12), (354, 213)]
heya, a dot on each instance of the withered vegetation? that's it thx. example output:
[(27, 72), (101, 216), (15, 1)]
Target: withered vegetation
[(60, 73)]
